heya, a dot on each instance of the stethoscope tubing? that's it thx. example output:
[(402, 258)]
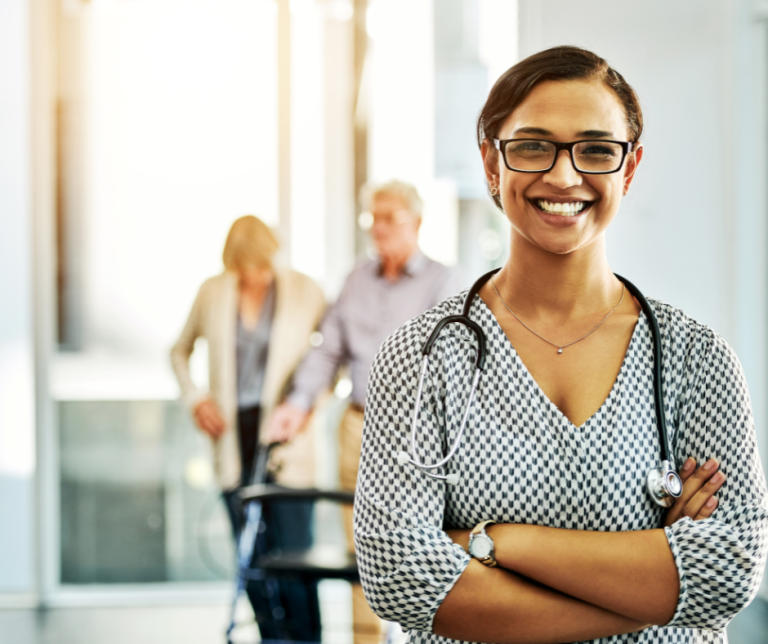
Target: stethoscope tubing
[(658, 381), (667, 464)]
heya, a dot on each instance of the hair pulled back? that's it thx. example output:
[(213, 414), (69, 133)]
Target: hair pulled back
[(250, 243), (557, 63)]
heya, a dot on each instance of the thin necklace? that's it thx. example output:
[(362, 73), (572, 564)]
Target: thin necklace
[(554, 344)]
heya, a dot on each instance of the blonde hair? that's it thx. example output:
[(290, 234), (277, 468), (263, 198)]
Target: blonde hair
[(250, 242), (394, 188)]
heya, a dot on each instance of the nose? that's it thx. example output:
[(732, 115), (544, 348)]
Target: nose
[(563, 174)]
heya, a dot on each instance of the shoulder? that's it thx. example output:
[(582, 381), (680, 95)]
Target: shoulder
[(363, 272), (216, 284), (296, 280), (691, 347), (364, 267), (299, 286), (405, 345), (436, 269)]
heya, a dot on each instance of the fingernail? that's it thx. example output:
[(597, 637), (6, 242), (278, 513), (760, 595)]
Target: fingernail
[(718, 478), (711, 503), (688, 465), (710, 464)]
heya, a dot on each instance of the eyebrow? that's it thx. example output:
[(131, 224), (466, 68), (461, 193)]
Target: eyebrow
[(590, 134)]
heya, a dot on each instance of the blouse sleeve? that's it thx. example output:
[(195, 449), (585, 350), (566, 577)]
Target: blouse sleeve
[(407, 562), (720, 560)]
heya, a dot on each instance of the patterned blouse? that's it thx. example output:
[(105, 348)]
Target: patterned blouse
[(522, 461)]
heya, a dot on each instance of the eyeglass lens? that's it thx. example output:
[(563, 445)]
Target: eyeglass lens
[(533, 155)]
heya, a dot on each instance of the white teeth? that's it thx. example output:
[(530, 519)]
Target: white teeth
[(558, 208)]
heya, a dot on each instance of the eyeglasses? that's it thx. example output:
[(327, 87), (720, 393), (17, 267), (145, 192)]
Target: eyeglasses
[(391, 218), (538, 155)]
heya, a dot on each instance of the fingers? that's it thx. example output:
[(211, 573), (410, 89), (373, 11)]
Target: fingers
[(706, 511), (697, 500), (278, 425), (286, 422), (687, 469), (209, 419), (277, 432)]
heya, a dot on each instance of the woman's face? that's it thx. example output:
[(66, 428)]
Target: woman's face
[(562, 111), (255, 276)]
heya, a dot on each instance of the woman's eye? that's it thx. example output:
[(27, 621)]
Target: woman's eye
[(528, 147), (599, 150)]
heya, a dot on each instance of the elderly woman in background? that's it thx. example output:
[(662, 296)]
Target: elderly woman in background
[(257, 321)]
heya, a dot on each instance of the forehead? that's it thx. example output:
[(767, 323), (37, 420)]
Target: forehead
[(568, 109), (386, 201)]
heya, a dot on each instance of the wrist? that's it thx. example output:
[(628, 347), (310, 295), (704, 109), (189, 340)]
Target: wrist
[(299, 401), (481, 545), (508, 538)]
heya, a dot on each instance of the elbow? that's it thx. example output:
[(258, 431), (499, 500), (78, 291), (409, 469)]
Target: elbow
[(387, 611), (711, 607)]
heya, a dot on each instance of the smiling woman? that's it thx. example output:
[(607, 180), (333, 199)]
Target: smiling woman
[(539, 529)]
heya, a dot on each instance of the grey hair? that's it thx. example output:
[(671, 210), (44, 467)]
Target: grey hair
[(393, 188)]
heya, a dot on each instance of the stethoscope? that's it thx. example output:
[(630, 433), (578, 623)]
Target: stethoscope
[(663, 483)]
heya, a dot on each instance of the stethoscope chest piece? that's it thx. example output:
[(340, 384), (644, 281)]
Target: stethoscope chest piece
[(664, 485)]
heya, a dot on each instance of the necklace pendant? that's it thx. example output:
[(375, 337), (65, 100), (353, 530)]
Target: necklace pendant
[(560, 350)]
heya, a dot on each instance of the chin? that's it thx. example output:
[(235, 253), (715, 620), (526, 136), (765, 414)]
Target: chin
[(559, 247)]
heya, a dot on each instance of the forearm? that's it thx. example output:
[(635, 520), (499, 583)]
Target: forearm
[(317, 370), (180, 353), (494, 605), (629, 573)]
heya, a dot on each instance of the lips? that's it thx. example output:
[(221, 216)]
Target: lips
[(561, 208)]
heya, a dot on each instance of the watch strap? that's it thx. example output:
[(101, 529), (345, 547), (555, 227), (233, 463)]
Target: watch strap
[(480, 527)]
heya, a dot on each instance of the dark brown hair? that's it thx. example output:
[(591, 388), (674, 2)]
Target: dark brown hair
[(557, 63)]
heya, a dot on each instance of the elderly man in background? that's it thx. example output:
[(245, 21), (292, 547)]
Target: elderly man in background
[(378, 296)]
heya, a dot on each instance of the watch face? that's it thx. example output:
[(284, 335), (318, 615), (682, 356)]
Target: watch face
[(481, 546)]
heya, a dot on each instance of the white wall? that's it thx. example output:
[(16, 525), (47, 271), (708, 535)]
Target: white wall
[(180, 101), (693, 230), (17, 416)]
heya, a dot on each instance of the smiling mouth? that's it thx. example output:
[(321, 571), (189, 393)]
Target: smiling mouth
[(568, 209)]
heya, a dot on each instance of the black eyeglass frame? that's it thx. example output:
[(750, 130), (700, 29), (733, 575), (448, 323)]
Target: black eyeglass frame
[(626, 147)]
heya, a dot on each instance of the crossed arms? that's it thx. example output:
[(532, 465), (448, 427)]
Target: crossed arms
[(557, 585), (554, 584)]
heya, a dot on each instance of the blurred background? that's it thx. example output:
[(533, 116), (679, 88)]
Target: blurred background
[(132, 134)]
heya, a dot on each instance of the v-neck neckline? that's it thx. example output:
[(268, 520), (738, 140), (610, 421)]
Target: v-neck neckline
[(534, 386)]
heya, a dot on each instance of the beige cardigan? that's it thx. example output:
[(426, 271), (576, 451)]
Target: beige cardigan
[(298, 307)]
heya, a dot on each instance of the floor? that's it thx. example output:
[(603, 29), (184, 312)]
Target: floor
[(198, 624), (206, 624)]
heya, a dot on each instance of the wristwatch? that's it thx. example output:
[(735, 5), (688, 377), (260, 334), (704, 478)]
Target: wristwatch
[(481, 545)]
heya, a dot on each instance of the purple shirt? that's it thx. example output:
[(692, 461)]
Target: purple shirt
[(369, 309)]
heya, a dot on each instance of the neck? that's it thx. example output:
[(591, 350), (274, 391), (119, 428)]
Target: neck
[(538, 283), (393, 264)]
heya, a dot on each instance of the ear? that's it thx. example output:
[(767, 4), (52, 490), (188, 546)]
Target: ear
[(490, 162), (633, 160)]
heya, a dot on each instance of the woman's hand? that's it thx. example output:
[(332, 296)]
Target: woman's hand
[(698, 499), (208, 418)]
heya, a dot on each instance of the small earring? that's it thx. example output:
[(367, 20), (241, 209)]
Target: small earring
[(494, 191)]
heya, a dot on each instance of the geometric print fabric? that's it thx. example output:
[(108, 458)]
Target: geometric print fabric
[(522, 461)]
